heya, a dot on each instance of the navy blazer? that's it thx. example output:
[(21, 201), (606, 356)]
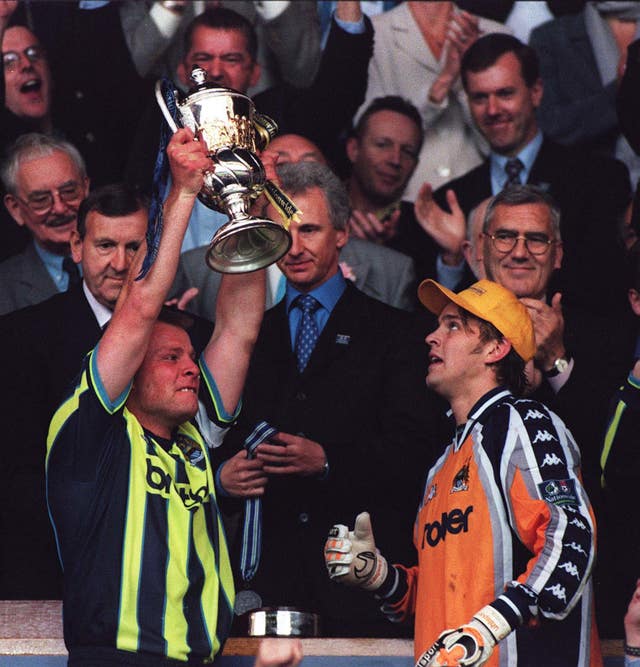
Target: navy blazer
[(362, 396)]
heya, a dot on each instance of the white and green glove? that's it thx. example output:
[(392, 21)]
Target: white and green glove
[(351, 557), (470, 645)]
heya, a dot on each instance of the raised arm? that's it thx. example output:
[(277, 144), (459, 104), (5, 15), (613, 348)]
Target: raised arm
[(125, 341), (239, 310)]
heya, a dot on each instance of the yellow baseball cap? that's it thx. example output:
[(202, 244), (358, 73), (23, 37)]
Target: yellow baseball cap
[(488, 301)]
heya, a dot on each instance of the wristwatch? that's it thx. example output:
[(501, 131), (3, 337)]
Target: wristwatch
[(560, 365)]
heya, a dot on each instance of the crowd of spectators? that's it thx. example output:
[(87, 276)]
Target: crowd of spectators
[(425, 140)]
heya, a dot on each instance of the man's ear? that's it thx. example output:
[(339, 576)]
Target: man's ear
[(255, 75), (342, 236), (352, 149), (15, 211), (634, 301), (76, 246), (497, 350)]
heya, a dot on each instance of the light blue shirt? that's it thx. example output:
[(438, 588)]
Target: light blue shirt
[(203, 224), (327, 296), (527, 156), (53, 264)]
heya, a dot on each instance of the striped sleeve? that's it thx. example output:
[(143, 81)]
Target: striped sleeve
[(548, 510), (212, 399)]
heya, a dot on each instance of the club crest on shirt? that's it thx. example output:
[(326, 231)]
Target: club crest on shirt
[(461, 480), (431, 494)]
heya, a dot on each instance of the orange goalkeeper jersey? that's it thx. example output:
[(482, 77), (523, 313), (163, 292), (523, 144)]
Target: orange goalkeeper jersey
[(505, 521)]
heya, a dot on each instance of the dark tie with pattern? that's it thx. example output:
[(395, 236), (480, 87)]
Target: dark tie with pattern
[(307, 331), (71, 269), (513, 168)]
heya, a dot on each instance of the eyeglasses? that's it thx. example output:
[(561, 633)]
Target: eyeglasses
[(11, 59), (505, 241), (42, 202)]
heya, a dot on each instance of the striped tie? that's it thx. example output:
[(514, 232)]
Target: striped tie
[(513, 168), (252, 528)]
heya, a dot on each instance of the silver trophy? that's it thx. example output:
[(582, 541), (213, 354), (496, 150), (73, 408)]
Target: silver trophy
[(227, 123)]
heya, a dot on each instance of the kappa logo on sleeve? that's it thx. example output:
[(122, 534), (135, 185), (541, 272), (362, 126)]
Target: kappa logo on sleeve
[(559, 491)]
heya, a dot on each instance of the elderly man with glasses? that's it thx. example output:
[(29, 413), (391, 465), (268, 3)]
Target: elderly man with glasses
[(45, 181)]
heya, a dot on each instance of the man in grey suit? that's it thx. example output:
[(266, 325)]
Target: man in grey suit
[(45, 180), (380, 272)]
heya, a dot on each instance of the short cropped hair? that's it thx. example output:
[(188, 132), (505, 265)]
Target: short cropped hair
[(223, 18), (516, 195), (297, 178), (484, 53), (112, 201), (389, 103), (32, 146), (510, 369)]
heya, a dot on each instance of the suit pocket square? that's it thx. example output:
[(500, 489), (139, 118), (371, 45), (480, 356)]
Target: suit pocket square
[(343, 339)]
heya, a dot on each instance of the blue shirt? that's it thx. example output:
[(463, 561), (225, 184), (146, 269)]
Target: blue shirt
[(53, 264), (527, 156), (327, 296)]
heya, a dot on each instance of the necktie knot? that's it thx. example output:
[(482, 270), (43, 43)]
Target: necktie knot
[(307, 304), (513, 168)]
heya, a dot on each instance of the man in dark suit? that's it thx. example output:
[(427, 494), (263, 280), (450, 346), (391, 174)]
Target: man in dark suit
[(45, 180), (501, 78), (350, 413), (46, 343)]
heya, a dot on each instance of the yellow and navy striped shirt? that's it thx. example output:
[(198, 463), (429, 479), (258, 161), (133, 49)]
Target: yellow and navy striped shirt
[(139, 534)]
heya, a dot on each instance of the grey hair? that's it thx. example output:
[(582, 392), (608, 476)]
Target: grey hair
[(516, 195), (30, 147), (298, 177)]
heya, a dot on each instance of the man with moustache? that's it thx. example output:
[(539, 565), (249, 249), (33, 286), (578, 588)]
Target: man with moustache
[(45, 180)]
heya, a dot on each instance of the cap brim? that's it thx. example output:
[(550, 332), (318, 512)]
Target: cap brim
[(435, 297)]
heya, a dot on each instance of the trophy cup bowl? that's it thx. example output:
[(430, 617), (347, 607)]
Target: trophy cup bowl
[(226, 122)]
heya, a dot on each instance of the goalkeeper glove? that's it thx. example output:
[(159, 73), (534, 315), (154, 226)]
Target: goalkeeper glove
[(470, 645), (351, 557)]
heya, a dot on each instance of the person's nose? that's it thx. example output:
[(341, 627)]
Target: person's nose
[(119, 260), (520, 250), (296, 244), (59, 207), (191, 368), (493, 107)]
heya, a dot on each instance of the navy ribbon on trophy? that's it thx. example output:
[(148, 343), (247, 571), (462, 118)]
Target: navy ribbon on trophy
[(252, 528), (160, 179)]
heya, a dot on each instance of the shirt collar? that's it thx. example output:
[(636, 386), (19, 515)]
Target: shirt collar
[(481, 406), (527, 156), (326, 294), (101, 312)]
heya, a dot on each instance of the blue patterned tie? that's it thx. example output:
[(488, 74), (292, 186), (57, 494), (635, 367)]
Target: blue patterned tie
[(252, 527), (513, 168), (307, 331)]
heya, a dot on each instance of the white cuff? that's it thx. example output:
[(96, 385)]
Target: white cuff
[(272, 9), (166, 21), (558, 381)]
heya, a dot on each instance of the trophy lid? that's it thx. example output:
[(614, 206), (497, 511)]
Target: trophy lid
[(198, 77)]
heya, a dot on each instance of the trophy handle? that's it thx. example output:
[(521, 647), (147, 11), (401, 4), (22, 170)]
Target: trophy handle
[(163, 107)]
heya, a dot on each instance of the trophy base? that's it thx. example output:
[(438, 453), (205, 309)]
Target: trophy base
[(242, 246), (283, 622)]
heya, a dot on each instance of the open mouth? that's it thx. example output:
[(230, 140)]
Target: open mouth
[(31, 86)]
